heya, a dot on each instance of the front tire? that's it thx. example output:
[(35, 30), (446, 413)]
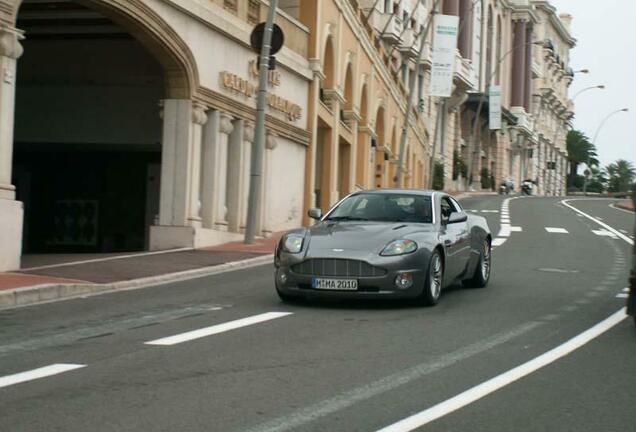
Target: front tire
[(484, 266), (433, 282)]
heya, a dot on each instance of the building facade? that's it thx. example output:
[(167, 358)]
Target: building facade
[(127, 125)]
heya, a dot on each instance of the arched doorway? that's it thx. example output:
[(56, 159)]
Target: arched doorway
[(88, 132)]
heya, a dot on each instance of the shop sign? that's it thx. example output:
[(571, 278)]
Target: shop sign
[(244, 87)]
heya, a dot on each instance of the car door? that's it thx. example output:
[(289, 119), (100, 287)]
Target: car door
[(463, 233), (456, 239)]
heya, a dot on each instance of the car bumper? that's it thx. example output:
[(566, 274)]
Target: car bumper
[(379, 287)]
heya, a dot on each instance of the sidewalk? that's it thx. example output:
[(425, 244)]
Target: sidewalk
[(57, 277), (626, 205)]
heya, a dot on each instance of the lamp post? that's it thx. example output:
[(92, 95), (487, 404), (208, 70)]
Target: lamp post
[(481, 103), (598, 130), (577, 94)]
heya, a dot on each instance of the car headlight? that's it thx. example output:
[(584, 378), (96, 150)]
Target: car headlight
[(399, 247), (293, 243)]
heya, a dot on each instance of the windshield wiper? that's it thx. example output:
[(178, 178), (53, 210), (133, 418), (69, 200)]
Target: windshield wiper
[(346, 218)]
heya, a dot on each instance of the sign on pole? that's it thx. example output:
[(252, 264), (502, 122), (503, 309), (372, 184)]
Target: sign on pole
[(444, 47), (494, 107)]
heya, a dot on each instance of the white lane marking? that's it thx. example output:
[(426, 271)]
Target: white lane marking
[(599, 218), (621, 295), (604, 225), (385, 384), (626, 289), (490, 211), (219, 328), (624, 231), (504, 231), (604, 233), (34, 374), (118, 257), (498, 242), (515, 229), (556, 230), (469, 396)]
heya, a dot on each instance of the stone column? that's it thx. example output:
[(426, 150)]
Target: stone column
[(248, 140), (464, 41), (225, 129), (11, 211), (178, 157), (334, 147), (528, 70), (209, 157), (199, 118), (235, 175), (519, 64)]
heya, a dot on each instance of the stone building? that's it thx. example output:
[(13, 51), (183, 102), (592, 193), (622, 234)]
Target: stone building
[(126, 124)]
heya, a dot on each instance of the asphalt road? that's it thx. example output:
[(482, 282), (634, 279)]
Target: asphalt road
[(346, 366)]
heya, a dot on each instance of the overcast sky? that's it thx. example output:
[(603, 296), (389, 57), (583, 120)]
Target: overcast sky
[(606, 35)]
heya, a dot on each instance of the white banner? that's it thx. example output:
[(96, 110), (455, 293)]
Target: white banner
[(494, 110), (444, 47)]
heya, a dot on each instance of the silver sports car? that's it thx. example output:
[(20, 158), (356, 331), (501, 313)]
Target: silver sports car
[(395, 243)]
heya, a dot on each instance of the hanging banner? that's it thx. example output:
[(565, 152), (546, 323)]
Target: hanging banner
[(494, 107), (444, 47)]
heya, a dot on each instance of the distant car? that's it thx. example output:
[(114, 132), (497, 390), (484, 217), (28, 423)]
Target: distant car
[(395, 243)]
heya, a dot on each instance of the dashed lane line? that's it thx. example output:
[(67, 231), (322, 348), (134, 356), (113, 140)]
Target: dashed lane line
[(605, 233), (34, 374), (556, 230), (216, 329)]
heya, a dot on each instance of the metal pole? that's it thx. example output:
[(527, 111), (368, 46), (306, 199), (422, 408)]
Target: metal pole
[(441, 104), (594, 144), (409, 100), (258, 148)]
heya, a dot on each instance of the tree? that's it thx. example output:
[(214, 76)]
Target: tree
[(438, 176), (621, 175), (580, 150)]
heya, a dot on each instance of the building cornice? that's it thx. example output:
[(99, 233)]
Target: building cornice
[(556, 22)]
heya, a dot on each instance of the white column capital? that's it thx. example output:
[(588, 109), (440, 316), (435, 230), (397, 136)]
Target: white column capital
[(10, 45), (198, 113), (248, 132), (226, 125), (271, 142)]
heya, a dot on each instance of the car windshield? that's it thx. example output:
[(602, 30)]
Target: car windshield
[(384, 207)]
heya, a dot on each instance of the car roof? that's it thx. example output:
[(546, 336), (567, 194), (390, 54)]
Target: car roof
[(423, 192)]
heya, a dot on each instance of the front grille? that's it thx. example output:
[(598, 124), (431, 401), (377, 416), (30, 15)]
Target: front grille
[(337, 268)]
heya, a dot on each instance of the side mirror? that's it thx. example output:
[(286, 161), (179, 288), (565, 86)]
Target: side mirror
[(457, 218), (314, 213)]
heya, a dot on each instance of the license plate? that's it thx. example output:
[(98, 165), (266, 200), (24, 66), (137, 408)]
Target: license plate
[(335, 284)]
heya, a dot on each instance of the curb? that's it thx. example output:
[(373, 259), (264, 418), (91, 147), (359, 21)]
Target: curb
[(46, 293), (624, 207)]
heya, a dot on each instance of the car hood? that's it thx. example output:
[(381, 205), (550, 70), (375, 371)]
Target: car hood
[(360, 236)]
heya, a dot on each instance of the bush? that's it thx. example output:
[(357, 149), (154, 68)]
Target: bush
[(459, 166), (438, 176)]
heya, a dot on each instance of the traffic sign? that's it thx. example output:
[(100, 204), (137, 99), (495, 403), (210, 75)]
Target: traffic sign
[(256, 38)]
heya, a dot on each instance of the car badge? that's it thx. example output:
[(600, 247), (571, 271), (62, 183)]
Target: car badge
[(338, 250)]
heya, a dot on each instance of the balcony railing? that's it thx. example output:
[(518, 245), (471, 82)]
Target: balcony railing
[(409, 46)]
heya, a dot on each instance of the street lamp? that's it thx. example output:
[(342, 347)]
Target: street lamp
[(558, 129), (594, 143), (583, 71), (481, 102), (601, 87)]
